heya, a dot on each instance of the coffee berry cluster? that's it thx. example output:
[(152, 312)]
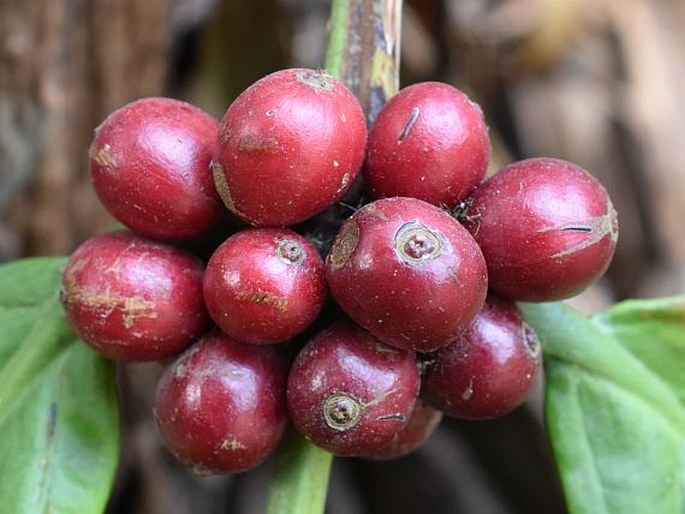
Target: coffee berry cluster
[(360, 329)]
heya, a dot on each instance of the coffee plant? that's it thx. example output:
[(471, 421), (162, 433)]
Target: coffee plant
[(312, 334)]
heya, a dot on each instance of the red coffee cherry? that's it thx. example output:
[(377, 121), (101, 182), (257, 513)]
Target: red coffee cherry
[(428, 142), (150, 166), (423, 421), (407, 272), (291, 145), (264, 285), (134, 299), (220, 408), (489, 370), (349, 393), (546, 227)]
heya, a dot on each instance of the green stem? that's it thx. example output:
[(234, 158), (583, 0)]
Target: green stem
[(363, 50), (300, 480), (337, 37)]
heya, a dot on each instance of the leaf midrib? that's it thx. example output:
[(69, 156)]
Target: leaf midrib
[(17, 387), (642, 382), (675, 425)]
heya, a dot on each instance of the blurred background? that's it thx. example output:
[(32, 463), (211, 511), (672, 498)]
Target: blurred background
[(596, 82)]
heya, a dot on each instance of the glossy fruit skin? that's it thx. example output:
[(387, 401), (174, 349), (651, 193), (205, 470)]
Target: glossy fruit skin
[(428, 142), (264, 285), (489, 370), (150, 167), (291, 145), (348, 392), (220, 408), (547, 229), (134, 299), (423, 421), (407, 272)]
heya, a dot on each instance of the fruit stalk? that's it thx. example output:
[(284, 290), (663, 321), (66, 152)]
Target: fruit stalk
[(363, 52), (300, 479)]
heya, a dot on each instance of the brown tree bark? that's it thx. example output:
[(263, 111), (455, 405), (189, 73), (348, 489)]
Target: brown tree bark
[(65, 64)]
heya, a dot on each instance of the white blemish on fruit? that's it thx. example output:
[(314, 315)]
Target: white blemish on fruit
[(263, 298), (317, 382), (595, 229), (468, 392), (256, 143), (231, 277), (106, 302), (224, 192), (531, 340), (380, 398), (231, 443), (345, 244), (103, 156), (343, 182), (318, 81)]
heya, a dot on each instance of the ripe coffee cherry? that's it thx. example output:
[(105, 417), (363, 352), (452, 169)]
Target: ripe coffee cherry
[(489, 370), (220, 407), (264, 285), (423, 421), (134, 299), (428, 142), (349, 393), (407, 272), (150, 166), (546, 227), (291, 145)]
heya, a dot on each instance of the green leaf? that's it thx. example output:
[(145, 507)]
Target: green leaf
[(58, 410), (614, 404), (654, 332)]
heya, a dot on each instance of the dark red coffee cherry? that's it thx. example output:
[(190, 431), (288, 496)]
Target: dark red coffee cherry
[(150, 165), (264, 285), (428, 142), (291, 145), (423, 421), (488, 371), (131, 298), (547, 229), (407, 272), (349, 393), (220, 408)]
